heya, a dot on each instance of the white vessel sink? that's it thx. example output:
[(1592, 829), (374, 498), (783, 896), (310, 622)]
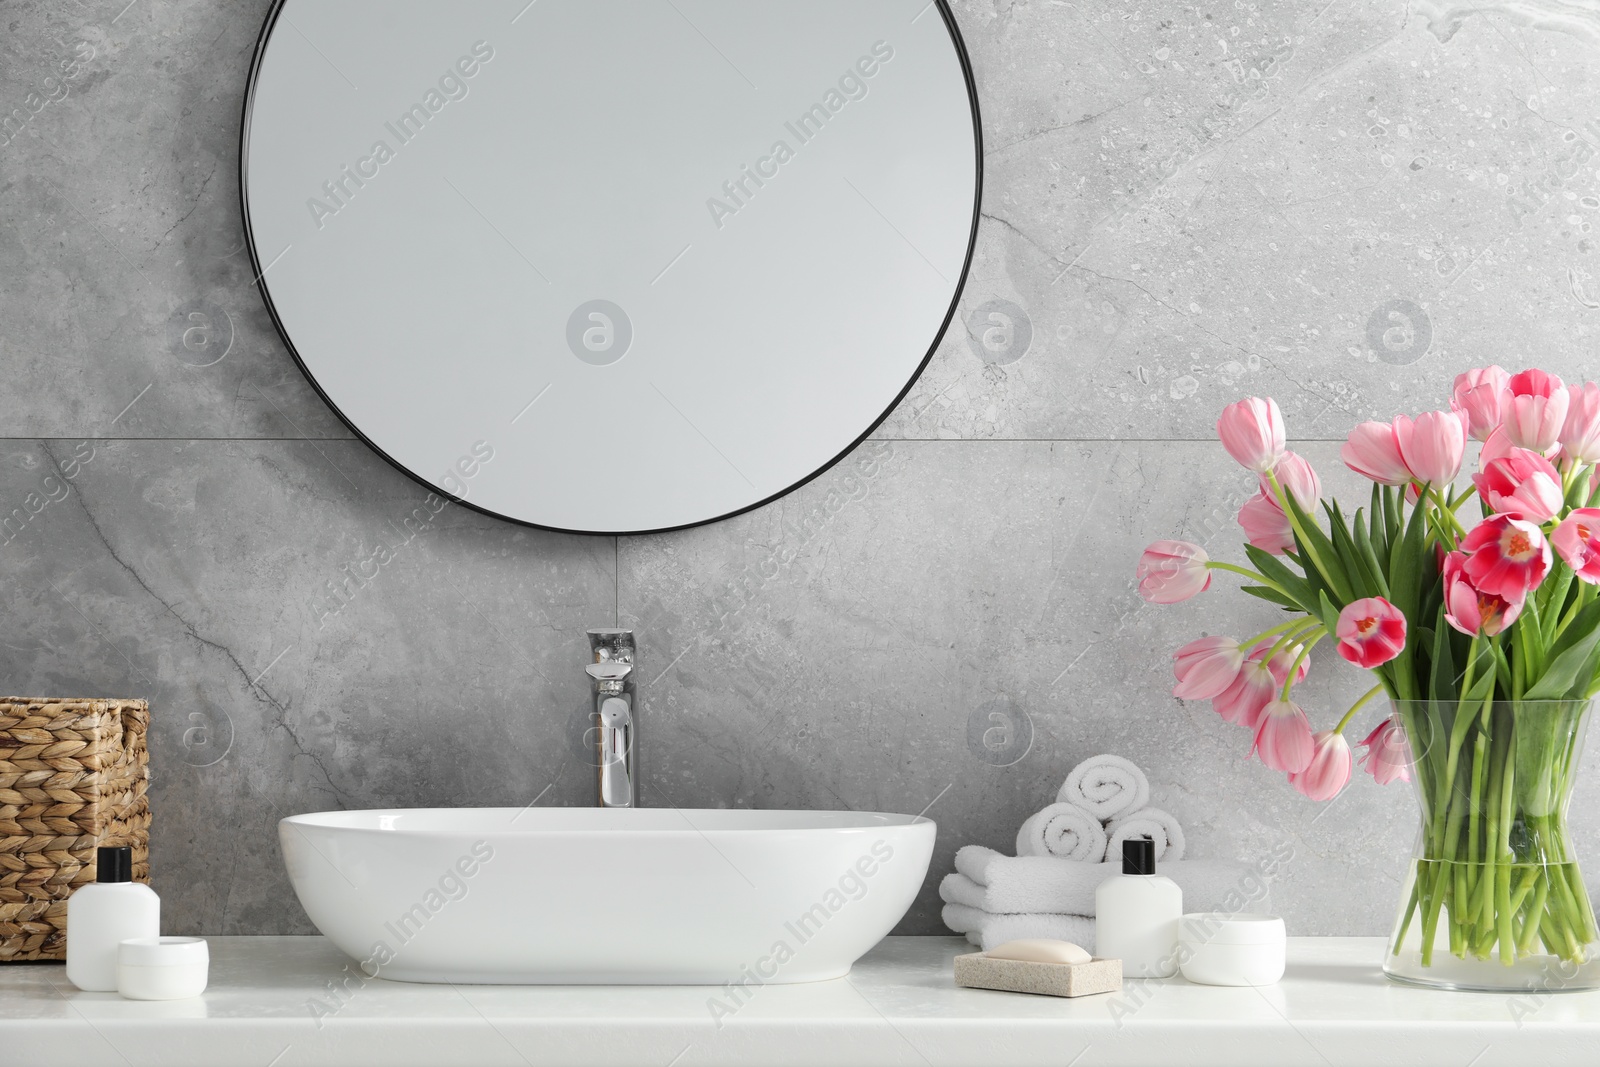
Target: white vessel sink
[(629, 896)]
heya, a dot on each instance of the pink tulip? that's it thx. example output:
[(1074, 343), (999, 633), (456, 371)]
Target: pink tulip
[(1371, 632), (1578, 541), (1329, 769), (1252, 432), (1298, 478), (1172, 571), (1283, 737), (1252, 690), (1279, 665), (1432, 445), (1264, 521), (1506, 557), (1480, 396), (1388, 754), (1265, 524), (1580, 434), (1535, 383), (1522, 484), (1498, 446), (1537, 411), (1206, 667), (1372, 452), (1471, 610)]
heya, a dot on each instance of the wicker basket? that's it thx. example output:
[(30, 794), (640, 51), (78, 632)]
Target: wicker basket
[(73, 775)]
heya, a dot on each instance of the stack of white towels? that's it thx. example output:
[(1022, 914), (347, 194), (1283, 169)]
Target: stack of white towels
[(1063, 854)]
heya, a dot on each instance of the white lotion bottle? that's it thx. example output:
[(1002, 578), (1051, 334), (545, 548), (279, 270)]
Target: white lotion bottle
[(102, 915), (1136, 915)]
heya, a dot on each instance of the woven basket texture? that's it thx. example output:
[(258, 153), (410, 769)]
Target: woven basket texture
[(73, 776)]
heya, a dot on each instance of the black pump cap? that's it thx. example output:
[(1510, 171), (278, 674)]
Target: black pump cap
[(113, 863), (1138, 856)]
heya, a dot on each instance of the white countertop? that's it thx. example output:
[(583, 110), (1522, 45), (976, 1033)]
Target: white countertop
[(899, 1006)]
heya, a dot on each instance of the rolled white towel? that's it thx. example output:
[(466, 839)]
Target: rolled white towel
[(986, 880), (1105, 786), (987, 930), (1152, 823), (1064, 831)]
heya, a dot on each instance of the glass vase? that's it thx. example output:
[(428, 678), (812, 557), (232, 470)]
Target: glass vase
[(1494, 899)]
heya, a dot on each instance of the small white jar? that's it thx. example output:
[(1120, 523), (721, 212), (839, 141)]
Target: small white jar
[(1217, 948), (162, 968)]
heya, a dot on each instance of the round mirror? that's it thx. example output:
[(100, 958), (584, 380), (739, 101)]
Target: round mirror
[(611, 266)]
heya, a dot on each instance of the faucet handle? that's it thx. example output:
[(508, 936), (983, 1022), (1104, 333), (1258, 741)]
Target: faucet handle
[(610, 671), (608, 643)]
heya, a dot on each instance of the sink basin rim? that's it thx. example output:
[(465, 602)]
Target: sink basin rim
[(587, 820)]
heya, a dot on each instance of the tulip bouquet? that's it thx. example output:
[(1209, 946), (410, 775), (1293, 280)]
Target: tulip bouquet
[(1480, 624)]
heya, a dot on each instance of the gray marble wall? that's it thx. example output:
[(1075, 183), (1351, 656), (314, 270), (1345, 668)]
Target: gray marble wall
[(1340, 204)]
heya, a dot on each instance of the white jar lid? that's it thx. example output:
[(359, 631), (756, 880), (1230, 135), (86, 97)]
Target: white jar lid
[(1224, 928), (163, 952)]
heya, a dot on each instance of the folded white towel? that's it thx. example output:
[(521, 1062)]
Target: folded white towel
[(1023, 883), (991, 882), (1105, 786), (1152, 823), (984, 865), (988, 931), (986, 879), (1065, 831)]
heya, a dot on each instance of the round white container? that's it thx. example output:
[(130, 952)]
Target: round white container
[(1217, 948), (162, 968)]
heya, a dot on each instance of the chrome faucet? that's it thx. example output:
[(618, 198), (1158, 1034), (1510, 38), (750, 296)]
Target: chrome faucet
[(612, 671)]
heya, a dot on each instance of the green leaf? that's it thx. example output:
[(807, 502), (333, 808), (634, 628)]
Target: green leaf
[(1529, 637), (1569, 657), (1577, 494), (1377, 534), (1365, 576), (1406, 570), (1362, 582), (1272, 596), (1315, 583), (1432, 602), (1555, 601), (1444, 667), (1290, 582), (1369, 557), (1502, 667), (1329, 614), (1321, 550), (1406, 565), (1481, 685)]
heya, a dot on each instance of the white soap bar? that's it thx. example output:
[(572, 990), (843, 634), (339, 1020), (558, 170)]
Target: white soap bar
[(1039, 950)]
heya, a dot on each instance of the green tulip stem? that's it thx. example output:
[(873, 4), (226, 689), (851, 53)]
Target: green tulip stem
[(1305, 650), (1357, 706), (1218, 565), (1448, 513), (1306, 543), (1293, 624)]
